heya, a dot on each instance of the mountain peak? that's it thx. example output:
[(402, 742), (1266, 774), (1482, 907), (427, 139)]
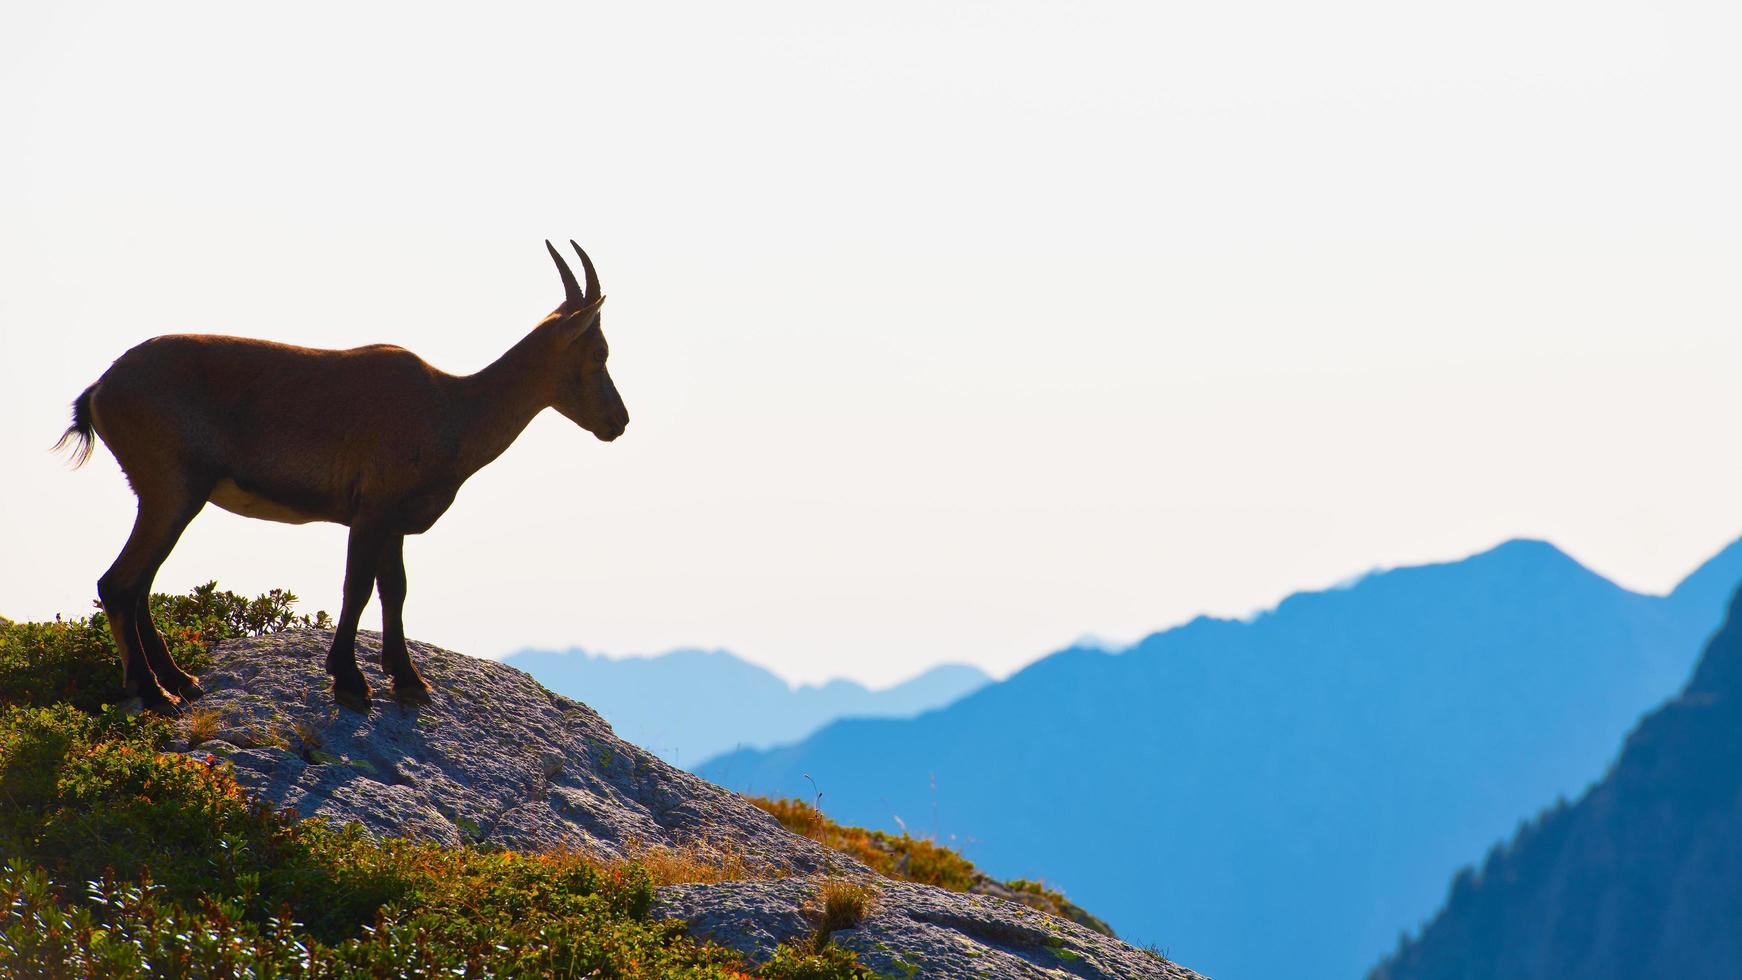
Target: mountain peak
[(1518, 555), (1532, 548)]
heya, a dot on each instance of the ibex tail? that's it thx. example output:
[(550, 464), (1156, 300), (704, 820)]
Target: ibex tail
[(79, 434)]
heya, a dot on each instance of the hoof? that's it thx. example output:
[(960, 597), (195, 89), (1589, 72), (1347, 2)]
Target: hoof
[(352, 698), (158, 702), (413, 692), (191, 690)]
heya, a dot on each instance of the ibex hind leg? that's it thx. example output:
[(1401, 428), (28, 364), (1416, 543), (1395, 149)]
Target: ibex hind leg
[(124, 590), (169, 673)]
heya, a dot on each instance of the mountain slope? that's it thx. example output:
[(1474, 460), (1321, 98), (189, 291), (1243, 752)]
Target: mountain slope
[(689, 705), (1283, 796), (1642, 878)]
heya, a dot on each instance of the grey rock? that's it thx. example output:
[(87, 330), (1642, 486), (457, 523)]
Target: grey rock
[(495, 758), (912, 930)]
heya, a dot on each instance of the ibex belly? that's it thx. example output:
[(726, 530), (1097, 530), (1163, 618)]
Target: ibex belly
[(239, 501)]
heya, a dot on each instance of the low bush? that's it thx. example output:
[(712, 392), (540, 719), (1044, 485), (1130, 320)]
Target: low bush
[(74, 661), (915, 859), (902, 856)]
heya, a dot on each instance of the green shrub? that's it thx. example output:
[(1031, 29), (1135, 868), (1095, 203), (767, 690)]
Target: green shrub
[(60, 662), (134, 931), (825, 962), (74, 661)]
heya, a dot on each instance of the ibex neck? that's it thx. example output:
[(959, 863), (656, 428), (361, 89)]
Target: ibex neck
[(503, 398)]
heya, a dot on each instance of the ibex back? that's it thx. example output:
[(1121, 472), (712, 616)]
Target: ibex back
[(373, 438)]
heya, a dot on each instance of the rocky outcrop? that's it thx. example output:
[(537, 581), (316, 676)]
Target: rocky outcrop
[(913, 930), (495, 758)]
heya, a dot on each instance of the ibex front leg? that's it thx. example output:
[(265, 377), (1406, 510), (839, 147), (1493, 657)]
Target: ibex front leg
[(408, 685), (362, 558)]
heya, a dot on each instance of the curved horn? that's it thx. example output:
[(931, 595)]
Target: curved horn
[(569, 285), (592, 276)]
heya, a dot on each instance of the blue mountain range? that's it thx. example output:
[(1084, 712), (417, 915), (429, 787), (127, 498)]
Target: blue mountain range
[(1641, 879), (688, 705), (1281, 796)]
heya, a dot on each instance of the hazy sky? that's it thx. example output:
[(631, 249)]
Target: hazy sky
[(950, 331)]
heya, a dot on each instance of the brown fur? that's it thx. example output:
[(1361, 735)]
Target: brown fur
[(372, 438)]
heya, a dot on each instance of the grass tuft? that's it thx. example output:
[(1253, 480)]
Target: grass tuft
[(841, 903), (202, 726)]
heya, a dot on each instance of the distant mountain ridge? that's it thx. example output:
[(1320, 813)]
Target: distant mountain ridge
[(1641, 879), (688, 705), (1281, 796)]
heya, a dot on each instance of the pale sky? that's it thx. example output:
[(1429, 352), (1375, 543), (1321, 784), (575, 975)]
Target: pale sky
[(950, 331)]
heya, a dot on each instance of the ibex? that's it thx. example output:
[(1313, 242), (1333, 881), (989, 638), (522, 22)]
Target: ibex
[(373, 438)]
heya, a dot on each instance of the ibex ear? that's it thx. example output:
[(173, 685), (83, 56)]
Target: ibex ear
[(582, 319)]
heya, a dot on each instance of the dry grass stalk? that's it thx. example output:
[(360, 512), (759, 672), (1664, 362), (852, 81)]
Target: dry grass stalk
[(202, 726), (308, 733), (695, 863)]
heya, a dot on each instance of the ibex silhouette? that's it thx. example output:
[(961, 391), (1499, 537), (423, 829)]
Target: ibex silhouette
[(373, 438)]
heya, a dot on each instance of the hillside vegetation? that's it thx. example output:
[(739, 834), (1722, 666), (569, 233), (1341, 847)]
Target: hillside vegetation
[(118, 859), (908, 858)]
